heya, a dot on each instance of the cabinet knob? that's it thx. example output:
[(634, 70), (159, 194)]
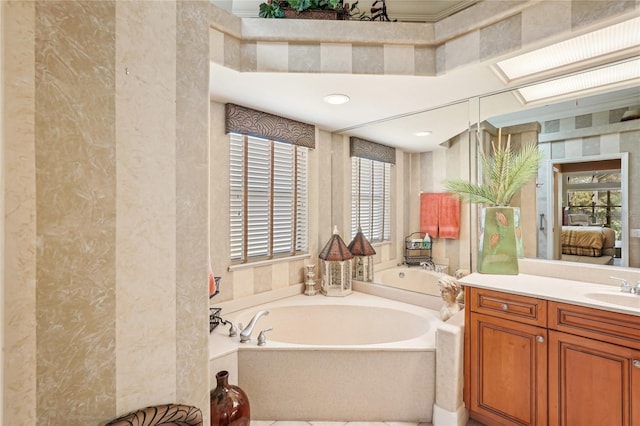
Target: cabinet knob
[(505, 306), (540, 339), (636, 363)]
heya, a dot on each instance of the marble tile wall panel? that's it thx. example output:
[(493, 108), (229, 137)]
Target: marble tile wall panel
[(368, 59), (545, 19), (248, 57), (272, 56), (425, 60), (600, 118), (336, 57), (304, 57), (591, 146), (232, 52), (585, 12), (557, 150), (242, 283), (146, 157), (551, 126), (19, 262), (280, 275), (218, 49), (76, 210), (399, 59), (462, 50), (500, 38), (262, 279), (583, 121), (296, 271), (610, 143), (192, 198), (573, 148)]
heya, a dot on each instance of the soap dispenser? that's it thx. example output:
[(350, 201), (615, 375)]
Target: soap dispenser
[(426, 242)]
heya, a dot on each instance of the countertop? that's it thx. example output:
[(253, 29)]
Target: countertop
[(600, 296)]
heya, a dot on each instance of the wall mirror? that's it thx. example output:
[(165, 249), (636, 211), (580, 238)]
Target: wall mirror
[(591, 145), (591, 148)]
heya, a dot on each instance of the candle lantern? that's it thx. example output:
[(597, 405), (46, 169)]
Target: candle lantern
[(362, 252), (336, 267)]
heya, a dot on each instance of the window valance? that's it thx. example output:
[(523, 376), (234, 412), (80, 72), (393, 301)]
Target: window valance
[(248, 121), (373, 151)]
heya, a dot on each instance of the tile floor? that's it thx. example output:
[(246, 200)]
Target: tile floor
[(313, 423)]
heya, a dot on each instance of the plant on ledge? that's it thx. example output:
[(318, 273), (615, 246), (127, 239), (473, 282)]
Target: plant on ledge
[(285, 8)]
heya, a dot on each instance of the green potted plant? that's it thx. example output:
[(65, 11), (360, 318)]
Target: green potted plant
[(504, 173), (307, 9)]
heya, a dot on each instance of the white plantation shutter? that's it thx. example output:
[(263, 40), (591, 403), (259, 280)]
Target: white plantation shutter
[(370, 198), (236, 178), (268, 209)]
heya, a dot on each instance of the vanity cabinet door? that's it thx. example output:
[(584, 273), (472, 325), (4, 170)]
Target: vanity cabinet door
[(508, 371), (592, 382)]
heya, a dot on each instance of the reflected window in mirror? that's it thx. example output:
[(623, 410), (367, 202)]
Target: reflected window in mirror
[(371, 198)]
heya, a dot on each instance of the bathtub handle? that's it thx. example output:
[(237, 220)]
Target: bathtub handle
[(262, 339)]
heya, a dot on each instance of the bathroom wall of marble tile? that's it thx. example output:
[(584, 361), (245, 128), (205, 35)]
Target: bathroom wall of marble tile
[(106, 199)]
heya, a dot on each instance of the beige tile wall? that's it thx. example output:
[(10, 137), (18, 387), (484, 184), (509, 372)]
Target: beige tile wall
[(105, 259)]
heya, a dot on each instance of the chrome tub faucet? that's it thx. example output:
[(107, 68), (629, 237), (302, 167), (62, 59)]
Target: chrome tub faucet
[(245, 334)]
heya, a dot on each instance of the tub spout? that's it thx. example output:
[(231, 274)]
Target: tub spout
[(245, 334)]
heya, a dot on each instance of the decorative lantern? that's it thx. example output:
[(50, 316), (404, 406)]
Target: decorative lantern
[(362, 252), (336, 267)]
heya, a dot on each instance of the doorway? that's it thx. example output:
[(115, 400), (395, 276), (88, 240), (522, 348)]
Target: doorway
[(591, 192)]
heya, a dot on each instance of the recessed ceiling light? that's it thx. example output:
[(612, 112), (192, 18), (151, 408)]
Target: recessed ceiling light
[(423, 133), (336, 99)]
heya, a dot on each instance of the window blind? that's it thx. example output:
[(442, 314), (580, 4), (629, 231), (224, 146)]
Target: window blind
[(268, 207), (371, 198)]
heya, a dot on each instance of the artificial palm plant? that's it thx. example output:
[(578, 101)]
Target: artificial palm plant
[(505, 172)]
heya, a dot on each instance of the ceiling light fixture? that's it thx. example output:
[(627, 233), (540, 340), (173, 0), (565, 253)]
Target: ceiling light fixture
[(616, 38), (336, 99), (423, 133), (620, 73)]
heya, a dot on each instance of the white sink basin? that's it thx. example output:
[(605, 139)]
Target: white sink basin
[(622, 299)]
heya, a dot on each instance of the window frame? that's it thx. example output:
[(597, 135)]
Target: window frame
[(298, 240)]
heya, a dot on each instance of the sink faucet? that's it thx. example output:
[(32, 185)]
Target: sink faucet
[(624, 287), (245, 334)]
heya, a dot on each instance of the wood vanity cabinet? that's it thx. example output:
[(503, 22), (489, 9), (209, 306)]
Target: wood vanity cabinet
[(529, 361), (594, 367), (507, 358)]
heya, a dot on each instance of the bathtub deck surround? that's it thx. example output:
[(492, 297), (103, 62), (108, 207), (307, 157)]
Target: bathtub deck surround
[(359, 355), (335, 259)]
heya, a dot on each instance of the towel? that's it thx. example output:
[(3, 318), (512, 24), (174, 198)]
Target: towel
[(429, 206), (449, 216)]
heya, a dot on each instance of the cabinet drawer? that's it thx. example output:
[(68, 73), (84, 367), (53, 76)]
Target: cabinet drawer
[(612, 327), (528, 310)]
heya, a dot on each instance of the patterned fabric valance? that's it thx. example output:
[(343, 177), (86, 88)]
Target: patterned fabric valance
[(372, 150), (252, 122)]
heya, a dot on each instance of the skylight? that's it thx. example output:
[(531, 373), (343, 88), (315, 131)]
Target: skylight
[(619, 73), (616, 38)]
